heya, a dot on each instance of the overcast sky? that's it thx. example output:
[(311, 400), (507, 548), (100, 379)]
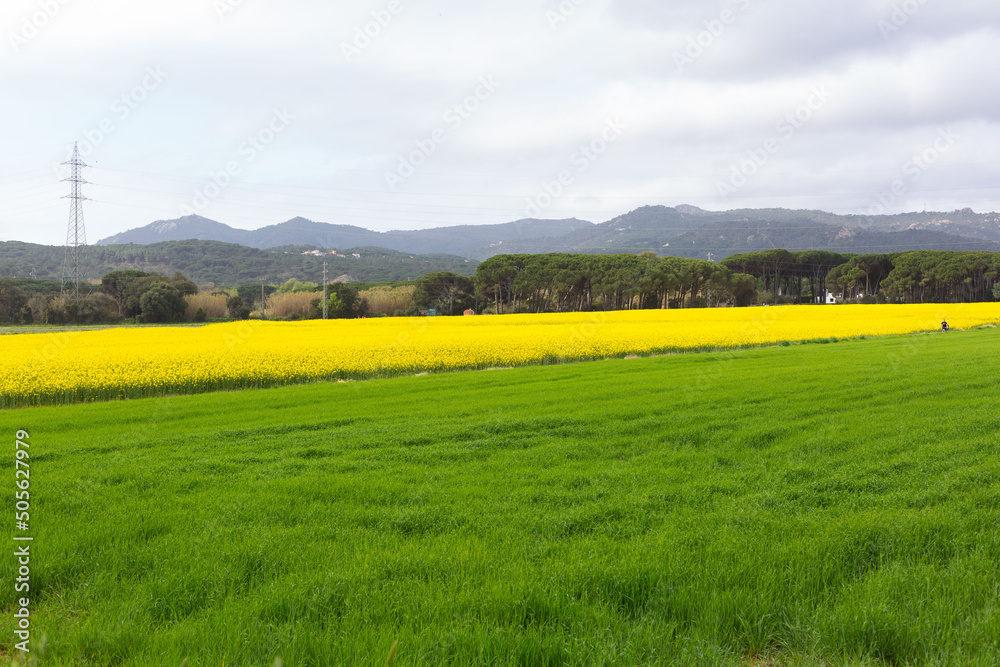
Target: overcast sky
[(406, 114)]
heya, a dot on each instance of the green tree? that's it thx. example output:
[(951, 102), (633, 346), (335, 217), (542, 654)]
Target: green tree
[(445, 291), (185, 286), (12, 301), (162, 302), (237, 309), (134, 291), (343, 301), (96, 308), (742, 289), (495, 279), (294, 285), (117, 285), (815, 265), (128, 287)]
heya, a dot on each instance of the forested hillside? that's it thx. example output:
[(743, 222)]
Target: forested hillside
[(227, 263), (687, 231), (727, 238)]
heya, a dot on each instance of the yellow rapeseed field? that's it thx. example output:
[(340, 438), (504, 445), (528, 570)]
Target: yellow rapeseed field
[(68, 367)]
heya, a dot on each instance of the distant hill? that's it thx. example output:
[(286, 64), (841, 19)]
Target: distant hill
[(646, 228), (463, 240), (227, 263), (190, 227), (728, 238), (966, 222), (685, 230)]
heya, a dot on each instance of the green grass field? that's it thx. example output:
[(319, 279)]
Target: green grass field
[(803, 505)]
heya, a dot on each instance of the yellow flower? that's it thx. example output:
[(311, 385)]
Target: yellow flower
[(128, 362)]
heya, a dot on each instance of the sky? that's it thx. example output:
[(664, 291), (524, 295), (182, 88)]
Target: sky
[(409, 114)]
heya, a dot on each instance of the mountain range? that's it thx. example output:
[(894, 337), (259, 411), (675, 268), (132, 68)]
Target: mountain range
[(683, 231), (463, 240)]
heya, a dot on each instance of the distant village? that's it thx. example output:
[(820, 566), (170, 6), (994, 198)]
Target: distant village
[(320, 253)]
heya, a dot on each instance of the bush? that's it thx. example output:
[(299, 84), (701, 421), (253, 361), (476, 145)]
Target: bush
[(37, 305), (199, 315), (162, 302), (96, 308), (237, 310), (343, 301)]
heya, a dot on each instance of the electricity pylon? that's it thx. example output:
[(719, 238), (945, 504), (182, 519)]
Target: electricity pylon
[(76, 235)]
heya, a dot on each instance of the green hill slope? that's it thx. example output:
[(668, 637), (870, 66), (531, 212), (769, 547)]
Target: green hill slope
[(227, 263)]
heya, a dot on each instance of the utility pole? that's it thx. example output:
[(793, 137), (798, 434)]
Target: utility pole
[(76, 235), (261, 295), (324, 290)]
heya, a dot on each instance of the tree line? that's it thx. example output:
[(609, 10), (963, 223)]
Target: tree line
[(140, 297), (555, 282), (917, 276), (572, 282)]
